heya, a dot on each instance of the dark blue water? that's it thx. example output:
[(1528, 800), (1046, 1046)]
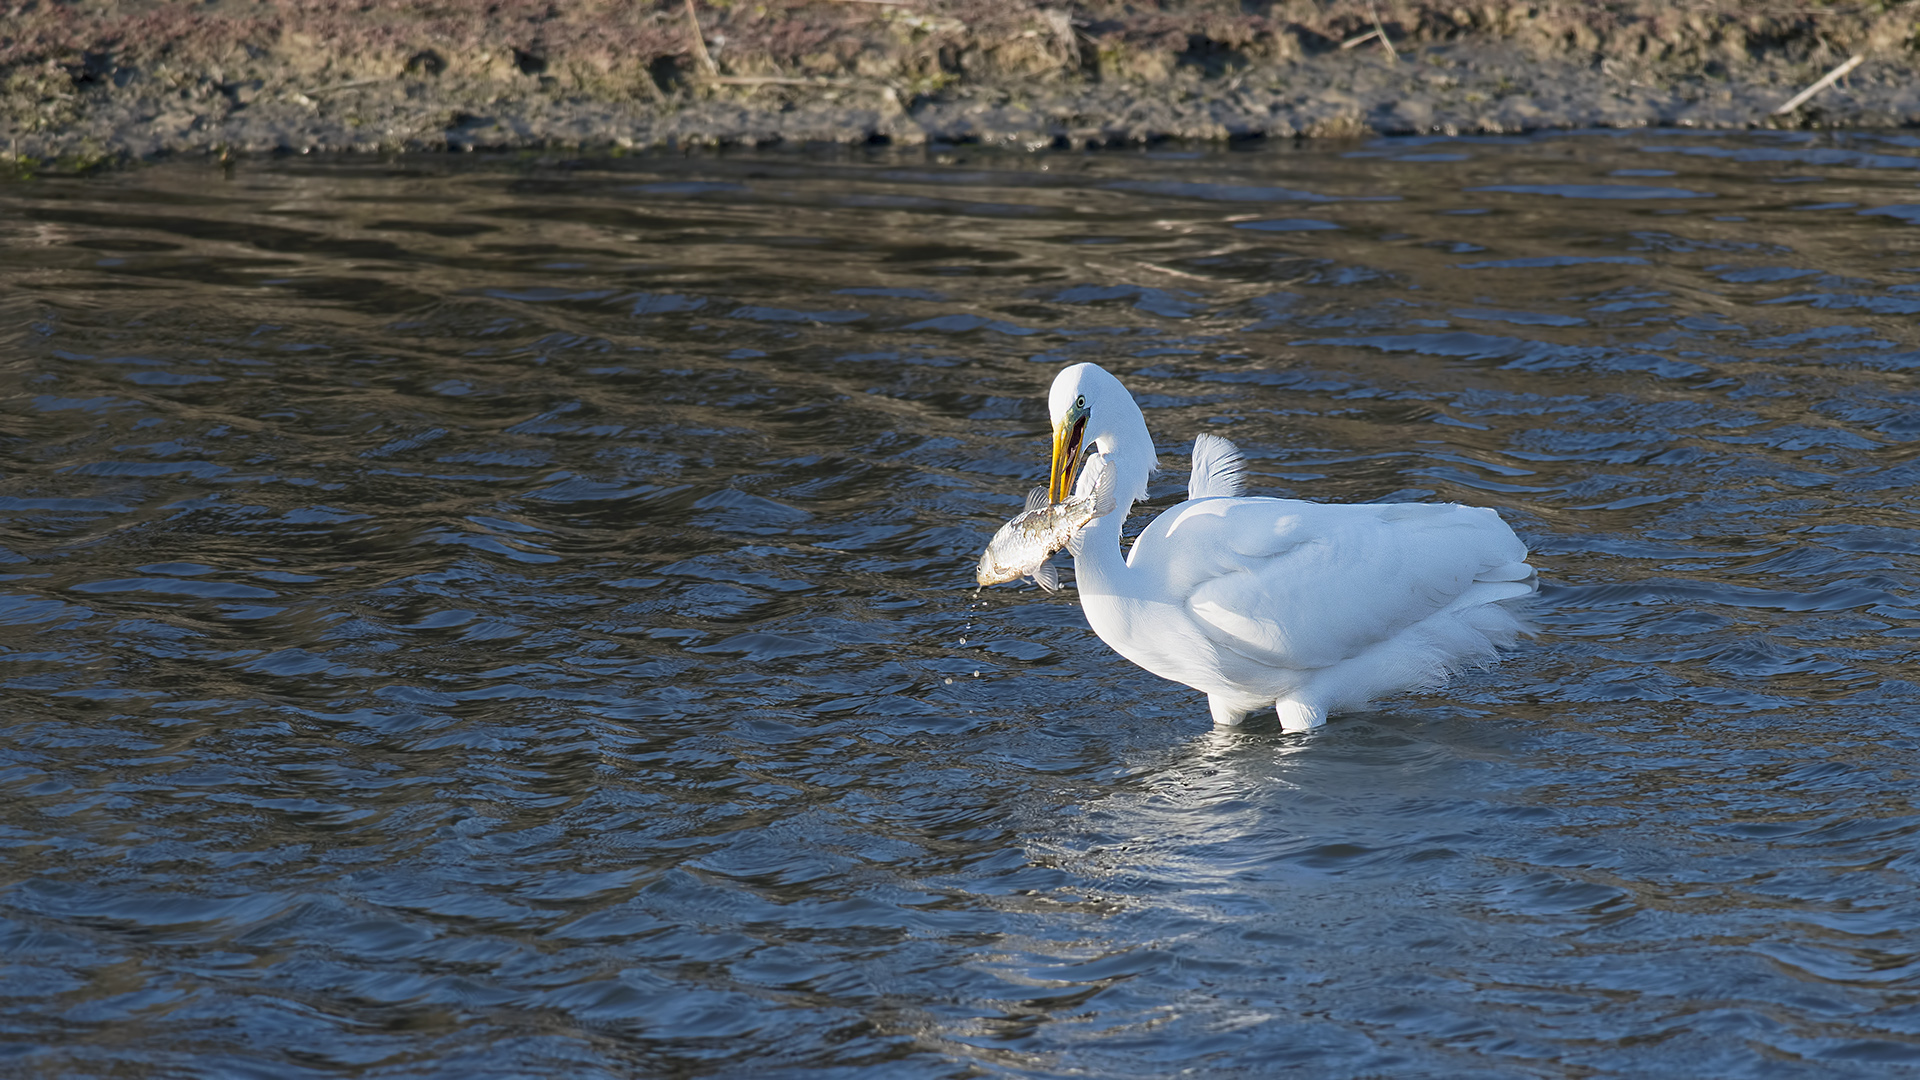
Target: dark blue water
[(515, 618)]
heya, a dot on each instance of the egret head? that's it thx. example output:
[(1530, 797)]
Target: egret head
[(1070, 444), (1089, 407)]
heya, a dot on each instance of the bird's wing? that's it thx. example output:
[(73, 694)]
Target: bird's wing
[(1217, 468), (1306, 585)]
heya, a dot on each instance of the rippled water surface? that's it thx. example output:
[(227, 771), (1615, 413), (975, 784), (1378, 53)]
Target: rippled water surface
[(515, 618)]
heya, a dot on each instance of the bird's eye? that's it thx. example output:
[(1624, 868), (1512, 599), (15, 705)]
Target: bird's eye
[(1081, 403)]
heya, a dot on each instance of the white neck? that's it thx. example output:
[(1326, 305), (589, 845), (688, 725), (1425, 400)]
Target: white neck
[(1127, 449), (1119, 430), (1100, 567)]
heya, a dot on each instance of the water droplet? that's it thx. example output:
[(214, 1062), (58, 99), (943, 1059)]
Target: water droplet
[(949, 682)]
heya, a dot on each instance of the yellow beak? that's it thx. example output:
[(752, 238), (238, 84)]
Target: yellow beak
[(1066, 455)]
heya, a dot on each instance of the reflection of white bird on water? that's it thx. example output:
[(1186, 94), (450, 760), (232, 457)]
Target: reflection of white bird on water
[(1305, 608)]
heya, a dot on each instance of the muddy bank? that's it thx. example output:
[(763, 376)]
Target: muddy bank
[(86, 82)]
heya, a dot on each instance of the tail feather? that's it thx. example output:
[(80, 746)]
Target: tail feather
[(1513, 571), (1218, 468), (1491, 592)]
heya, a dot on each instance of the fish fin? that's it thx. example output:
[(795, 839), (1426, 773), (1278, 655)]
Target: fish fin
[(1218, 468), (1047, 576), (1075, 543), (1104, 499), (1037, 498)]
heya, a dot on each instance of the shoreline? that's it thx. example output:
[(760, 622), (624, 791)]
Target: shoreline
[(99, 82)]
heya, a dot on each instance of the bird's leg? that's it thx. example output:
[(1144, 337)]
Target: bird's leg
[(1297, 715), (1224, 714)]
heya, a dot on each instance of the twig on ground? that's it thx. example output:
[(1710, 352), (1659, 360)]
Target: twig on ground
[(699, 43), (1378, 31), (1826, 80), (1393, 54), (789, 80), (348, 85)]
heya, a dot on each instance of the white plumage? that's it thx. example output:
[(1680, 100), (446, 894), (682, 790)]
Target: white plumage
[(1305, 608)]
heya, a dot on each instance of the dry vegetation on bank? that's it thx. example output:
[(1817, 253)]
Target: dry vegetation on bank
[(134, 79)]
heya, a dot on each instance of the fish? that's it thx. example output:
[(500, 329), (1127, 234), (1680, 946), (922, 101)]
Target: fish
[(1023, 545)]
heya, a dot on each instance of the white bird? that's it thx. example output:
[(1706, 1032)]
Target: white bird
[(1300, 607)]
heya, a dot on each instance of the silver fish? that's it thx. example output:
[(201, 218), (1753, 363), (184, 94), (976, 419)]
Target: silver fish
[(1022, 546)]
